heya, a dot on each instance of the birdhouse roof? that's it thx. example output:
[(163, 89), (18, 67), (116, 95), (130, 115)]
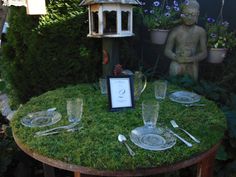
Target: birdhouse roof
[(88, 2)]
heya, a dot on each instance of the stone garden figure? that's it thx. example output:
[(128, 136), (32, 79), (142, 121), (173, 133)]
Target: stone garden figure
[(186, 44)]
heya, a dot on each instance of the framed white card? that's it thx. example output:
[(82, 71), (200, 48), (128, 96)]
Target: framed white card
[(120, 92)]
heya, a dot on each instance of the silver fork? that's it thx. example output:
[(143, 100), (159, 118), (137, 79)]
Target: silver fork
[(175, 125), (57, 128)]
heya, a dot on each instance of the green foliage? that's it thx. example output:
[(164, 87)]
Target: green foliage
[(2, 86), (230, 112), (43, 53), (227, 78), (8, 149), (219, 35)]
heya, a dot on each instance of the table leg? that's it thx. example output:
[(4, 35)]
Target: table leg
[(48, 171), (206, 166), (78, 174)]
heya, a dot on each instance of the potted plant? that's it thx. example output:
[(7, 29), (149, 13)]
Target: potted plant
[(220, 39), (160, 18)]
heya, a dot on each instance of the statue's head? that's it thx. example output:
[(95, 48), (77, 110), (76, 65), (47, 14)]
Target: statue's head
[(190, 12)]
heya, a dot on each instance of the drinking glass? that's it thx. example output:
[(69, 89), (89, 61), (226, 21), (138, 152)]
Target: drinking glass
[(74, 109), (103, 85), (150, 111), (160, 88)]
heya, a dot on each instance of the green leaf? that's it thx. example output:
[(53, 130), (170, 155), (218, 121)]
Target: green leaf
[(231, 121), (231, 170), (221, 154)]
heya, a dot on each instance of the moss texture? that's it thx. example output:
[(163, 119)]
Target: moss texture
[(96, 145)]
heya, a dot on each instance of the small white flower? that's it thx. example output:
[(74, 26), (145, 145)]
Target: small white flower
[(167, 14), (156, 3), (176, 3)]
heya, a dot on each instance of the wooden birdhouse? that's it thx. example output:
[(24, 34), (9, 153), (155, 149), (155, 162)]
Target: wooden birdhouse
[(110, 18)]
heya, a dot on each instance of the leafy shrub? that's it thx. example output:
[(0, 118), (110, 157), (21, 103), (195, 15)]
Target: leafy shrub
[(8, 149), (43, 53)]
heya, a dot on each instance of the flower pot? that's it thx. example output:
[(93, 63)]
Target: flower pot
[(158, 36), (216, 55)]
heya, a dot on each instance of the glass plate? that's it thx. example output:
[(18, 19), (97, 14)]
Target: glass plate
[(185, 97), (155, 139), (41, 119)]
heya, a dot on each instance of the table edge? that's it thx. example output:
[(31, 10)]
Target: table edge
[(134, 172)]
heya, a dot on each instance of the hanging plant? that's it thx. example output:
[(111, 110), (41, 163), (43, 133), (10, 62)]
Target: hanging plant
[(220, 38), (160, 18)]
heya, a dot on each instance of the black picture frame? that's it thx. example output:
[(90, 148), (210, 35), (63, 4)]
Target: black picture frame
[(120, 92)]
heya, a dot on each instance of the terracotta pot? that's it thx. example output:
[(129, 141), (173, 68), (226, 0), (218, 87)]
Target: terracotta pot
[(216, 55), (158, 36)]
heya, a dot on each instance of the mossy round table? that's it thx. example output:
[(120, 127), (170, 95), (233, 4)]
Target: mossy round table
[(95, 150)]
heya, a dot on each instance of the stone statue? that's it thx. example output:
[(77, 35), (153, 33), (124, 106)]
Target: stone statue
[(186, 43)]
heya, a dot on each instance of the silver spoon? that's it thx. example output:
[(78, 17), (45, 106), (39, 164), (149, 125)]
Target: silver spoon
[(122, 139), (175, 125)]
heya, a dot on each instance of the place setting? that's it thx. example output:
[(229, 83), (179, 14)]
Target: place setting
[(157, 136), (49, 117), (150, 136), (186, 98), (41, 118)]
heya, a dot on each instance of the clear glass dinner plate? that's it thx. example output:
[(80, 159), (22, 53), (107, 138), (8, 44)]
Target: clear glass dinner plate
[(155, 139), (185, 97), (41, 119)]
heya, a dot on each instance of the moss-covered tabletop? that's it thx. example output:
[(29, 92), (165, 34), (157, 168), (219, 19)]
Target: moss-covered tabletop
[(96, 145)]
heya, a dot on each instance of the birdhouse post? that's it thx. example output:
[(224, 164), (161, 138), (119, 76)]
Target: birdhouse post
[(110, 20)]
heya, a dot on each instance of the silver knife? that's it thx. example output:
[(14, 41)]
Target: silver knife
[(180, 138)]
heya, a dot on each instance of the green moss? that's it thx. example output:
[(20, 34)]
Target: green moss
[(96, 144)]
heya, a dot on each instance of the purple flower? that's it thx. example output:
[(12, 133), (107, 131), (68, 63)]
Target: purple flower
[(176, 8), (210, 20), (213, 35), (167, 7), (176, 3), (186, 2), (182, 15), (167, 14), (156, 3), (146, 11), (143, 3), (225, 24), (151, 11)]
